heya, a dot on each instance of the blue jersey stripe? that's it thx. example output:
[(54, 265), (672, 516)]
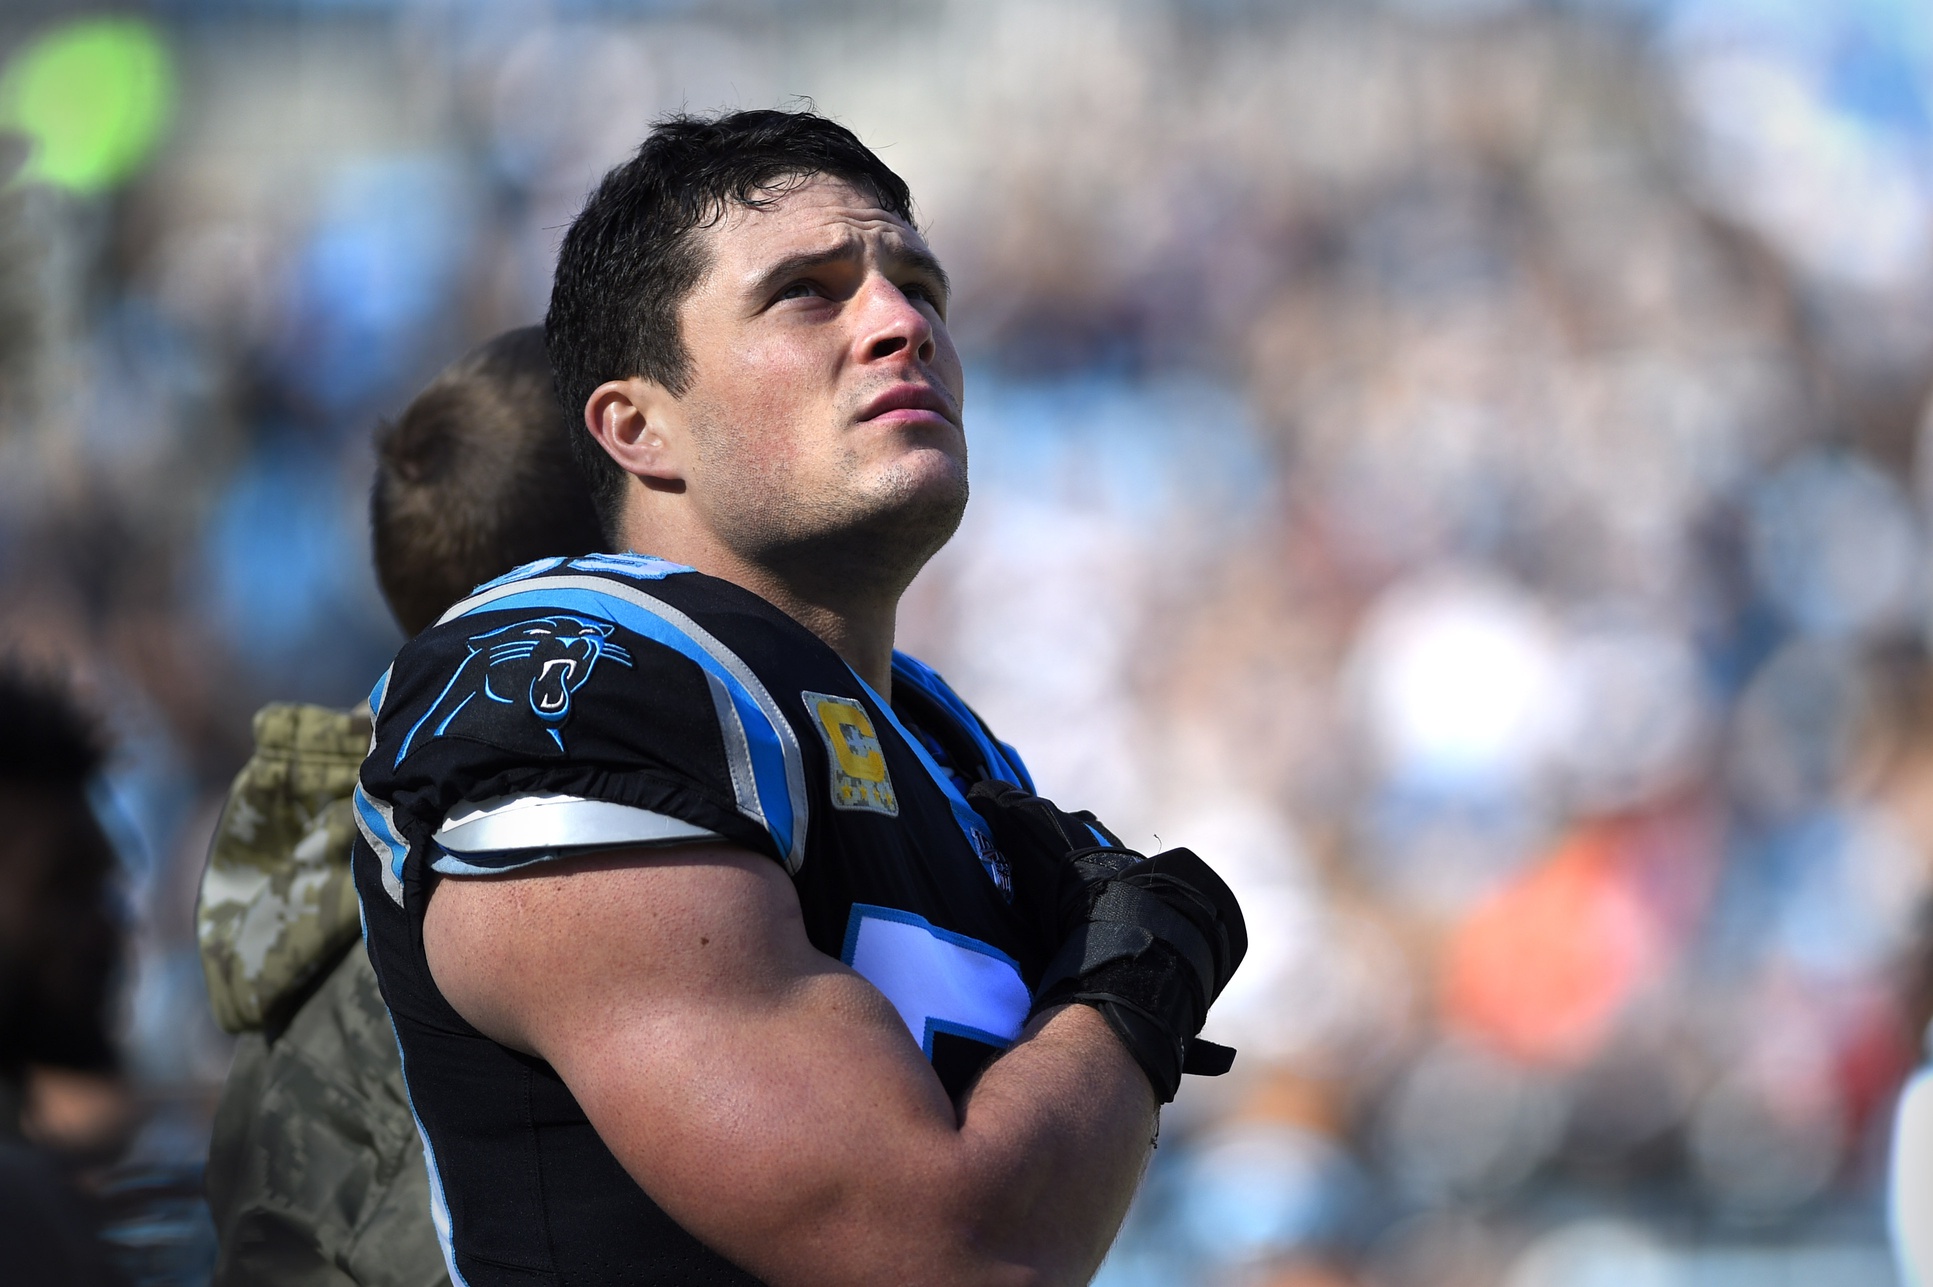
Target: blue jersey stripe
[(643, 566), (376, 694), (1003, 761), (646, 567), (379, 829), (521, 572)]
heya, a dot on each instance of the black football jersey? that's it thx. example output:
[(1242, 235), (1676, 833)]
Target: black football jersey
[(623, 701)]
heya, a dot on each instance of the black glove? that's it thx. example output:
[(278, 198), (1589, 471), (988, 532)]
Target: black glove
[(1158, 944), (1149, 942), (1054, 856)]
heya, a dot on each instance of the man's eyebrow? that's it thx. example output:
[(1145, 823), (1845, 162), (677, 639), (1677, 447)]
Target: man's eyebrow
[(927, 262), (922, 261), (803, 262)]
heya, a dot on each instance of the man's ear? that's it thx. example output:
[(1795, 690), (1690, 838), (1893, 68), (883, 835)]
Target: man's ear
[(636, 421)]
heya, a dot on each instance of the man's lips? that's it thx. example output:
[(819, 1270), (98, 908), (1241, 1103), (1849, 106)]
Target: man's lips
[(911, 404)]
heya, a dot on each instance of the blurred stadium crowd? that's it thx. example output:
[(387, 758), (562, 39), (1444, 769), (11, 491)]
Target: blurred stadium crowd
[(1458, 464)]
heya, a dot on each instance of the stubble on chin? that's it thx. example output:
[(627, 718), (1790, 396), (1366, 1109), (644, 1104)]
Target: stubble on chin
[(870, 540), (851, 534)]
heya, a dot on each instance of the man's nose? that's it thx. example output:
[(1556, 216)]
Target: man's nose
[(893, 324)]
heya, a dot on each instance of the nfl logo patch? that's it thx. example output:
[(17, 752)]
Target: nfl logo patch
[(859, 778)]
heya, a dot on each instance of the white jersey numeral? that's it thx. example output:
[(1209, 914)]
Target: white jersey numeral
[(939, 981)]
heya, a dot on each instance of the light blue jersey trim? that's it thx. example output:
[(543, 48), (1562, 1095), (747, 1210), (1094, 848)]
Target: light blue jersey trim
[(1003, 761), (380, 691), (450, 864), (643, 566), (439, 1201), (646, 567), (522, 572), (777, 800)]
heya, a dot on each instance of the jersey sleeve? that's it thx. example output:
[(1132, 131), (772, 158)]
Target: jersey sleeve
[(560, 714)]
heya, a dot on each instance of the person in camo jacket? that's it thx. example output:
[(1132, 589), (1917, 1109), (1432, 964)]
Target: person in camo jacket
[(315, 1170)]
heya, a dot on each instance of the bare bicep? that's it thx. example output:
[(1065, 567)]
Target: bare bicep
[(532, 956), (750, 1083)]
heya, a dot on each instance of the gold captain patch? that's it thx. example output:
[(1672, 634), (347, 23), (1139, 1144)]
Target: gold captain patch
[(859, 777)]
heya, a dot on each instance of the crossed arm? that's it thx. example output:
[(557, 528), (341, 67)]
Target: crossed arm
[(770, 1099)]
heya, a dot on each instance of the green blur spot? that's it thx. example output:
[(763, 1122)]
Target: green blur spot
[(93, 97)]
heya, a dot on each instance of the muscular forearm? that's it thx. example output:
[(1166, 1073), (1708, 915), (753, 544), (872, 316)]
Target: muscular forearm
[(871, 1178), (1054, 1139)]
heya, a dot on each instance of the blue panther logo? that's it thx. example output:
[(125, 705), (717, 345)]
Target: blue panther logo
[(514, 689)]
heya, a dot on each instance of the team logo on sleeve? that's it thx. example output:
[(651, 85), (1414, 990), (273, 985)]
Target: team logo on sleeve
[(859, 778), (516, 686)]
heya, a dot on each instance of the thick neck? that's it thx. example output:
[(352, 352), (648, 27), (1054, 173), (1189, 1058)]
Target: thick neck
[(855, 622)]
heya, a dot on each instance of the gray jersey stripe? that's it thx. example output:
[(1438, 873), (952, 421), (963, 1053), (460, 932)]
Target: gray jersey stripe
[(385, 851), (738, 751)]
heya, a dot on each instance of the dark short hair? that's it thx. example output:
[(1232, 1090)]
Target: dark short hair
[(630, 257), (476, 478)]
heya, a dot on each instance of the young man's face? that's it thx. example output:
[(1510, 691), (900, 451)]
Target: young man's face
[(824, 399)]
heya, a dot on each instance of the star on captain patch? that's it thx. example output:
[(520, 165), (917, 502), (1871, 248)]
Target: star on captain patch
[(859, 778)]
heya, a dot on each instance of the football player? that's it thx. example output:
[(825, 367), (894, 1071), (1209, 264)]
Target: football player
[(315, 1169), (703, 966)]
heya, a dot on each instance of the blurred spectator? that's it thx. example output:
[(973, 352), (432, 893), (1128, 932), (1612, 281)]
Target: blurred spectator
[(60, 933), (62, 1103)]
